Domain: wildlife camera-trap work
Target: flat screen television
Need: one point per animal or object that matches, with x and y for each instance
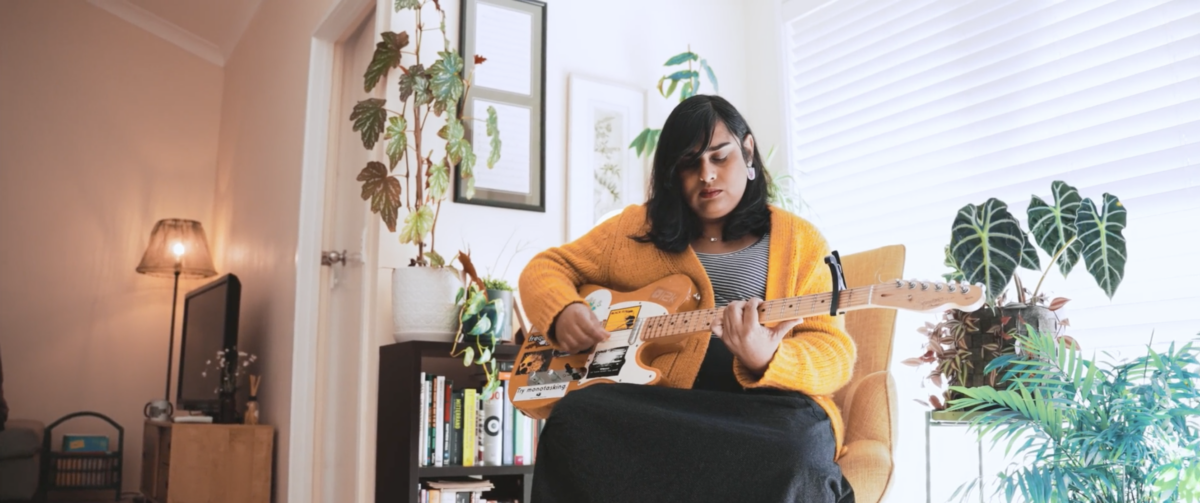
(210, 325)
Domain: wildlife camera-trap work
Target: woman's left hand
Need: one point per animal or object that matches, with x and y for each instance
(753, 344)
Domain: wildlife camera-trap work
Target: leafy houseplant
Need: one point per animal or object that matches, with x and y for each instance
(438, 89)
(422, 296)
(482, 317)
(987, 245)
(1125, 432)
(780, 187)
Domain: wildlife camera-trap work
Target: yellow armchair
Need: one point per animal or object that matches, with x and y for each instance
(868, 401)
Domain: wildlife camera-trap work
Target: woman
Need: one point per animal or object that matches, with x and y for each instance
(743, 417)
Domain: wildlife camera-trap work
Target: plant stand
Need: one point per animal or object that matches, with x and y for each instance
(947, 418)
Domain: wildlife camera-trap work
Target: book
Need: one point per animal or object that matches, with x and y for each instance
(507, 430)
(439, 417)
(423, 460)
(447, 428)
(456, 429)
(519, 433)
(493, 411)
(430, 430)
(469, 408)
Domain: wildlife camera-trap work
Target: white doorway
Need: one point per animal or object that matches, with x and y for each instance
(331, 442)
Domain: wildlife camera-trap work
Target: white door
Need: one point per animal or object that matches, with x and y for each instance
(345, 348)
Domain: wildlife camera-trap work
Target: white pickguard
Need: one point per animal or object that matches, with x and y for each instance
(614, 359)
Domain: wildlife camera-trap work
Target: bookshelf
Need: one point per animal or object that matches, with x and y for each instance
(397, 470)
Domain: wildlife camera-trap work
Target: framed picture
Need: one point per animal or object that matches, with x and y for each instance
(604, 174)
(511, 35)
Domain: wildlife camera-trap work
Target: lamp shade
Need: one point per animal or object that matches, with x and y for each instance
(177, 245)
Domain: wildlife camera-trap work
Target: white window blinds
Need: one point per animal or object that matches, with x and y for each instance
(901, 112)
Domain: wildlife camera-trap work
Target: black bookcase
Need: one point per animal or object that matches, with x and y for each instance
(397, 472)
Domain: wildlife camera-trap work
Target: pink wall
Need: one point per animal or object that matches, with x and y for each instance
(104, 129)
(258, 193)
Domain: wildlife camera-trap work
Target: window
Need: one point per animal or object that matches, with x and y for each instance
(901, 112)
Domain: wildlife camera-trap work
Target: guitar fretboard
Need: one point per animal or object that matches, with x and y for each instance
(771, 311)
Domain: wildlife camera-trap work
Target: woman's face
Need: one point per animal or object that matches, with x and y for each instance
(714, 185)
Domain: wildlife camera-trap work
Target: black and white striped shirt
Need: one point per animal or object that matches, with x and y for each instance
(738, 275)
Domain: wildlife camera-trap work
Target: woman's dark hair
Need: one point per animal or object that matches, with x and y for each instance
(684, 139)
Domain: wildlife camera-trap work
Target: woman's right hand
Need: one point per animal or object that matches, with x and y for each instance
(577, 329)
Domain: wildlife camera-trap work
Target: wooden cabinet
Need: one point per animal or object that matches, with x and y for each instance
(206, 463)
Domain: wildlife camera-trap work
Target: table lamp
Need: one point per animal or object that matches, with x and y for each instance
(177, 248)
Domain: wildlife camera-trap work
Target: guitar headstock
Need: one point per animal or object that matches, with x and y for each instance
(927, 296)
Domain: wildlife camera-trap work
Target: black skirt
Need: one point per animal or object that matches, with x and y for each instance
(631, 443)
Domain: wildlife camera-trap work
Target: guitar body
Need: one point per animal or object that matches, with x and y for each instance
(543, 375)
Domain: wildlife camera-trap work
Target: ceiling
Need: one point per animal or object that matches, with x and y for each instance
(219, 23)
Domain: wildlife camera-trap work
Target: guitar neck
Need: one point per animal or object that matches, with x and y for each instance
(769, 312)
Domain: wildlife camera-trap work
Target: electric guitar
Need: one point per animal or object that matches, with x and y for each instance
(656, 319)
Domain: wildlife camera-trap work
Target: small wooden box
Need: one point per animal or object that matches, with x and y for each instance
(206, 463)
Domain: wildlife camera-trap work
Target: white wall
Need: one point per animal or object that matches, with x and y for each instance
(623, 42)
(258, 194)
(104, 129)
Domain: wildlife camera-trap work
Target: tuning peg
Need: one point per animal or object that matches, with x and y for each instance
(924, 285)
(952, 287)
(899, 284)
(937, 287)
(966, 289)
(912, 284)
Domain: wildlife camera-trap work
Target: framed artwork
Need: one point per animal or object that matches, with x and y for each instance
(604, 174)
(511, 35)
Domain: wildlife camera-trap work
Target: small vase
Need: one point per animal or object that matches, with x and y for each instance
(227, 408)
(251, 416)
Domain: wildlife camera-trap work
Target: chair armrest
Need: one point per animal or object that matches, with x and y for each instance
(21, 439)
(868, 465)
(872, 413)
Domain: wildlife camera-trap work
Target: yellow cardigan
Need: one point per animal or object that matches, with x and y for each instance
(816, 359)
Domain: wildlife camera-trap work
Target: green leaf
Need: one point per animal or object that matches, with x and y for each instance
(671, 89)
(955, 273)
(382, 190)
(446, 82)
(639, 142)
(468, 356)
(485, 355)
(652, 142)
(439, 180)
(407, 4)
(712, 76)
(368, 117)
(681, 58)
(687, 91)
(417, 225)
(466, 170)
(986, 242)
(397, 140)
(1029, 256)
(415, 83)
(387, 56)
(436, 260)
(1103, 244)
(493, 132)
(481, 327)
(684, 75)
(1054, 226)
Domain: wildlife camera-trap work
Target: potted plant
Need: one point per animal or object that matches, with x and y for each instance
(423, 293)
(987, 245)
(781, 187)
(1103, 432)
(483, 316)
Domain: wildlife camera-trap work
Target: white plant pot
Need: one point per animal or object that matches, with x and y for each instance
(423, 306)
